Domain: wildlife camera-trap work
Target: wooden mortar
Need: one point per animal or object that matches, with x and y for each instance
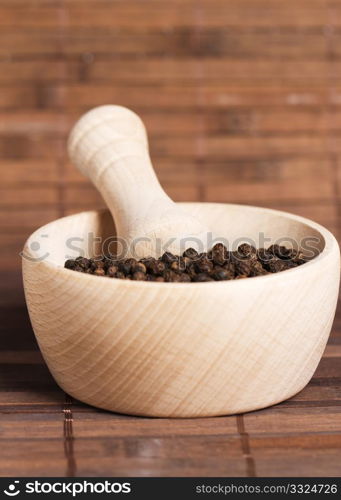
(181, 349)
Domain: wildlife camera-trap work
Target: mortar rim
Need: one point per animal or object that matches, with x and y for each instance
(329, 240)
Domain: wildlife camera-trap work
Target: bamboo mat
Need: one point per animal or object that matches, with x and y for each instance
(45, 432)
(242, 102)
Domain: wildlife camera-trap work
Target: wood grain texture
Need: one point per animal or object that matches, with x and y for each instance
(179, 350)
(241, 99)
(109, 145)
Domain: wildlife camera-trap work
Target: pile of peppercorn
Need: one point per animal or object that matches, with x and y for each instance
(218, 264)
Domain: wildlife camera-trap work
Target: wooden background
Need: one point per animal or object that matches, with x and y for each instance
(242, 100)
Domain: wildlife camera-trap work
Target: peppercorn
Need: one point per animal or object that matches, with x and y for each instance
(178, 265)
(184, 278)
(187, 262)
(83, 262)
(125, 266)
(96, 264)
(191, 271)
(219, 254)
(218, 264)
(277, 265)
(112, 271)
(298, 257)
(171, 276)
(281, 252)
(248, 251)
(230, 268)
(258, 269)
(244, 267)
(190, 253)
(69, 264)
(264, 256)
(138, 276)
(139, 267)
(219, 274)
(201, 277)
(155, 267)
(168, 258)
(203, 265)
(150, 277)
(160, 279)
(99, 271)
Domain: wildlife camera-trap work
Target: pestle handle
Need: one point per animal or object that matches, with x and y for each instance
(109, 145)
(104, 136)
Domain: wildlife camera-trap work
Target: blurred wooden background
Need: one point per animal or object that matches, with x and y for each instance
(242, 101)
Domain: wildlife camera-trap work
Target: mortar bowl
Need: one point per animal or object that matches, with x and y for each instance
(181, 349)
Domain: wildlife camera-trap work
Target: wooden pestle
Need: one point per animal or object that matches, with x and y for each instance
(109, 145)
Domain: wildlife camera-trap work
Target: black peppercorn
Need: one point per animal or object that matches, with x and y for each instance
(203, 265)
(168, 258)
(83, 262)
(258, 269)
(215, 265)
(202, 277)
(138, 276)
(247, 251)
(99, 271)
(277, 265)
(139, 267)
(171, 276)
(178, 265)
(220, 274)
(298, 257)
(125, 266)
(112, 271)
(155, 267)
(219, 254)
(190, 253)
(281, 252)
(69, 264)
(184, 278)
(243, 267)
(97, 264)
